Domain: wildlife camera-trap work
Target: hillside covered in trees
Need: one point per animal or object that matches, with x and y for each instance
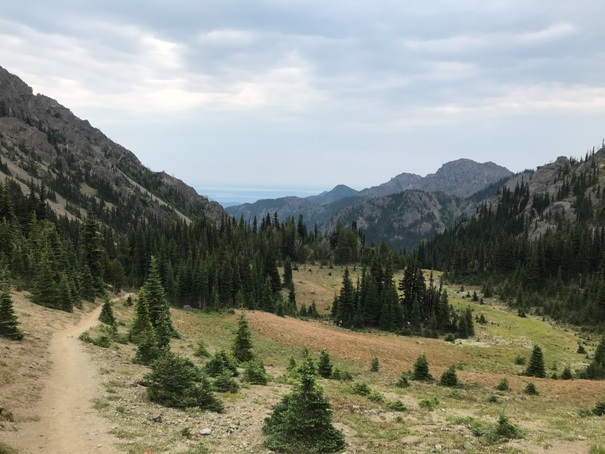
(540, 242)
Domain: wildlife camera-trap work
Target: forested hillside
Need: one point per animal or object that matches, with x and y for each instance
(540, 242)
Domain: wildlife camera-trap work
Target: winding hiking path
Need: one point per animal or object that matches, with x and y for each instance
(67, 422)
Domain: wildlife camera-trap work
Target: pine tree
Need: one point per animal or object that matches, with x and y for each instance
(449, 378)
(242, 345)
(255, 373)
(106, 316)
(159, 310)
(324, 368)
(345, 309)
(421, 369)
(9, 323)
(535, 368)
(92, 252)
(143, 334)
(177, 382)
(288, 283)
(302, 421)
(375, 366)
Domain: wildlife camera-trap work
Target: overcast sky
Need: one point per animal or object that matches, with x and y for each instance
(304, 94)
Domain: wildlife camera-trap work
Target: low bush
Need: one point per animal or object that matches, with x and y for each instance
(255, 373)
(449, 378)
(429, 403)
(225, 383)
(396, 405)
(361, 388)
(531, 389)
(503, 385)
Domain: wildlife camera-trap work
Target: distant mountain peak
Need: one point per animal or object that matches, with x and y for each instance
(339, 192)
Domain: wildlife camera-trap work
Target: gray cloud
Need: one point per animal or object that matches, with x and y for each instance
(309, 94)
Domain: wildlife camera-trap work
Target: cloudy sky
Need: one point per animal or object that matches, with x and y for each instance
(254, 98)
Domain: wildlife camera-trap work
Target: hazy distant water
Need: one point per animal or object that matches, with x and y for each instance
(236, 196)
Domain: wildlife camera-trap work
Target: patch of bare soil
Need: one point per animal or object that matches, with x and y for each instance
(49, 383)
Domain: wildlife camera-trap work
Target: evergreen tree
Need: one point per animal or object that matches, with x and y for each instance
(324, 368)
(142, 333)
(159, 310)
(288, 283)
(421, 369)
(147, 346)
(92, 252)
(302, 421)
(9, 323)
(106, 316)
(141, 318)
(535, 368)
(345, 307)
(221, 362)
(255, 373)
(449, 378)
(242, 345)
(375, 366)
(177, 382)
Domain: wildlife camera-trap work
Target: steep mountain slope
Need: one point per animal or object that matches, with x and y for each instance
(404, 219)
(541, 239)
(43, 144)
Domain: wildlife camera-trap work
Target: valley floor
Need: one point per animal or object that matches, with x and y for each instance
(437, 419)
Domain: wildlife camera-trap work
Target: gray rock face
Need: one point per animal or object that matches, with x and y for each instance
(62, 146)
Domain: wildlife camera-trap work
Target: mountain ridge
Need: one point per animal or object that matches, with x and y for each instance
(451, 184)
(43, 141)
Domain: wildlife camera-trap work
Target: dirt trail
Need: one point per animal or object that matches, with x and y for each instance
(67, 421)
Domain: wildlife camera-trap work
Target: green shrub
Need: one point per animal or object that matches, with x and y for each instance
(219, 363)
(403, 381)
(492, 399)
(520, 360)
(531, 389)
(504, 429)
(503, 385)
(302, 421)
(201, 351)
(449, 378)
(421, 369)
(104, 339)
(176, 382)
(375, 365)
(429, 403)
(599, 409)
(6, 449)
(361, 388)
(225, 383)
(396, 405)
(342, 375)
(566, 374)
(324, 368)
(255, 373)
(376, 396)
